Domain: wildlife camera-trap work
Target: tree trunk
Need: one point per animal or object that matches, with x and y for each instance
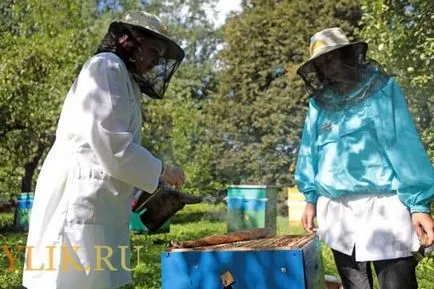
(29, 168)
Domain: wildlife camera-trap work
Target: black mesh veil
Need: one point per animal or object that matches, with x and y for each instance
(153, 83)
(315, 80)
(363, 76)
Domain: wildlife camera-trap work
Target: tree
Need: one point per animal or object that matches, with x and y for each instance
(42, 47)
(400, 34)
(174, 128)
(255, 119)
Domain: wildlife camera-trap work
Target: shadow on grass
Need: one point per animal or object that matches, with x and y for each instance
(215, 216)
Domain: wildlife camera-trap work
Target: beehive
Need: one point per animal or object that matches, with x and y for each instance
(284, 262)
(296, 205)
(251, 206)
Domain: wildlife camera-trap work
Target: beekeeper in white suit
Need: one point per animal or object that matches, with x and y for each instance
(84, 190)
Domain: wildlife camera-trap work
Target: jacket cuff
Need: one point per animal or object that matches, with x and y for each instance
(311, 196)
(420, 209)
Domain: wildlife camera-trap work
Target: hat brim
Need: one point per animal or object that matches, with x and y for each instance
(309, 64)
(174, 51)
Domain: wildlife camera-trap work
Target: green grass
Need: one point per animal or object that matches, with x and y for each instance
(193, 222)
(10, 279)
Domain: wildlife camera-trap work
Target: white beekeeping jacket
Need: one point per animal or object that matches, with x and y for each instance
(84, 190)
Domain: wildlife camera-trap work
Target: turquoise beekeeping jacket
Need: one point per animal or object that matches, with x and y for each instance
(371, 147)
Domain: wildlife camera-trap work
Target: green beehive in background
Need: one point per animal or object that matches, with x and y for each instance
(23, 211)
(252, 207)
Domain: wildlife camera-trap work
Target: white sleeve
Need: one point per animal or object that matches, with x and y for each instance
(107, 115)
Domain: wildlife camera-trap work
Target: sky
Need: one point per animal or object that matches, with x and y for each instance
(223, 8)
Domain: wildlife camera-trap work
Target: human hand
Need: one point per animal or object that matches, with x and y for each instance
(424, 225)
(309, 215)
(173, 176)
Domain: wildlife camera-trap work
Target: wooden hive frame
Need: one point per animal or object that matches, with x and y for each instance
(271, 243)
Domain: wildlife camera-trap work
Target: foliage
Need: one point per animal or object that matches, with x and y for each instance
(52, 39)
(400, 34)
(174, 128)
(255, 119)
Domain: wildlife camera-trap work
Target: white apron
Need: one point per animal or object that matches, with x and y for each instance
(85, 187)
(379, 227)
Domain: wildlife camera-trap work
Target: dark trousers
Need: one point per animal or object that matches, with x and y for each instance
(392, 274)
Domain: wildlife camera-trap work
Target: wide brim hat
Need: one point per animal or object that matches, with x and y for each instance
(151, 24)
(326, 41)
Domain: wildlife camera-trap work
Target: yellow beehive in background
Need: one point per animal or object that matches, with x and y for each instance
(296, 205)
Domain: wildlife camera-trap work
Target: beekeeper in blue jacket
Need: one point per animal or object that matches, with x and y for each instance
(85, 188)
(361, 166)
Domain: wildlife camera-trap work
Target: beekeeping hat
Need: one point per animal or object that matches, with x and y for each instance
(328, 40)
(154, 82)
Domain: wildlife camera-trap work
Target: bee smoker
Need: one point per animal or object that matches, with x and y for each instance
(157, 208)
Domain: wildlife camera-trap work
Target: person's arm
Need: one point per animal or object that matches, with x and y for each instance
(304, 171)
(106, 113)
(410, 162)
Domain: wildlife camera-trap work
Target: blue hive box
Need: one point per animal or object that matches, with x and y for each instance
(250, 266)
(23, 210)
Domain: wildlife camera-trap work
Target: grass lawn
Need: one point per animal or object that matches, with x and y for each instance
(193, 222)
